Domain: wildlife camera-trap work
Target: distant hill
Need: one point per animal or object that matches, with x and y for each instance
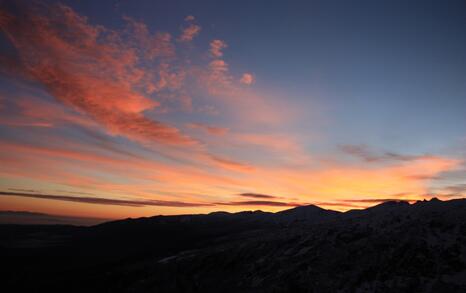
(391, 247)
(30, 218)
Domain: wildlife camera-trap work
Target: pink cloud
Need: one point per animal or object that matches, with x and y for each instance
(282, 147)
(189, 33)
(218, 77)
(233, 165)
(152, 46)
(23, 123)
(35, 112)
(247, 79)
(91, 69)
(216, 47)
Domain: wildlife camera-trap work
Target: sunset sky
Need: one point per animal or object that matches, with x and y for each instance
(135, 108)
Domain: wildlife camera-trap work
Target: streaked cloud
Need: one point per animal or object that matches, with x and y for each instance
(233, 165)
(35, 112)
(104, 201)
(457, 188)
(364, 153)
(257, 195)
(214, 130)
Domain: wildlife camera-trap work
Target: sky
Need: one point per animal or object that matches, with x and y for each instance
(136, 108)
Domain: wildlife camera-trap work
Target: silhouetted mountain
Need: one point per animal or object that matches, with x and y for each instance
(391, 247)
(310, 214)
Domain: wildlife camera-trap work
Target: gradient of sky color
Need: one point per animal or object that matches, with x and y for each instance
(135, 108)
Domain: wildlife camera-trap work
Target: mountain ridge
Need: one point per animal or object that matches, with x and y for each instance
(391, 247)
(298, 211)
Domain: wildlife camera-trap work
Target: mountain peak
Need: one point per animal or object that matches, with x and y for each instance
(310, 213)
(308, 208)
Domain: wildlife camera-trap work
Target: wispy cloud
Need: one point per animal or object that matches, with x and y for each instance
(366, 154)
(35, 112)
(457, 188)
(214, 130)
(452, 190)
(424, 177)
(230, 164)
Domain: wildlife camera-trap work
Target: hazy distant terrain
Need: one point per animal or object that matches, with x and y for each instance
(392, 247)
(25, 218)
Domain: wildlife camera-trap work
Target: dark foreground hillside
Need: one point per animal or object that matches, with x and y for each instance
(392, 247)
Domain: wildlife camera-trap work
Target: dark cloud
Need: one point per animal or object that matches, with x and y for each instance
(257, 195)
(359, 151)
(458, 188)
(364, 153)
(399, 157)
(455, 190)
(105, 201)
